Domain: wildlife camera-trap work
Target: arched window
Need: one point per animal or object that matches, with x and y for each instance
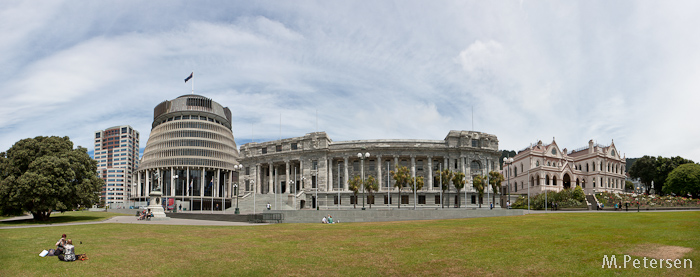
(586, 167)
(475, 167)
(515, 171)
(546, 180)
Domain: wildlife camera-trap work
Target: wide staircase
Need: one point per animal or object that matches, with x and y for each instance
(245, 203)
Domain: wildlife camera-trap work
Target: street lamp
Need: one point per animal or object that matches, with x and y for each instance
(235, 188)
(362, 158)
(235, 191)
(509, 162)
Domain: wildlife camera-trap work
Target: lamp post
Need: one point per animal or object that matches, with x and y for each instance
(362, 159)
(255, 190)
(508, 161)
(293, 185)
(235, 189)
(176, 181)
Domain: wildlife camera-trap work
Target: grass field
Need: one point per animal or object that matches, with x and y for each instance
(538, 244)
(66, 217)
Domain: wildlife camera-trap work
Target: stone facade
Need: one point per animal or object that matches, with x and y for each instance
(314, 165)
(545, 167)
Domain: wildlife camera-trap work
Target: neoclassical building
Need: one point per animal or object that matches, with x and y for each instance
(190, 155)
(314, 165)
(546, 167)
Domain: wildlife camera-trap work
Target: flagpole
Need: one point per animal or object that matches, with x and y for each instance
(192, 82)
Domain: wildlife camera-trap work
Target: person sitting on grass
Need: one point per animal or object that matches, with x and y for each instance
(69, 254)
(60, 245)
(324, 220)
(330, 219)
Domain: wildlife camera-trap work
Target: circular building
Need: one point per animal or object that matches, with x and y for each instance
(190, 155)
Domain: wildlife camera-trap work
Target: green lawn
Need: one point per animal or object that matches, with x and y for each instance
(541, 244)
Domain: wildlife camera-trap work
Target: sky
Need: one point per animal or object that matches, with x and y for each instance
(622, 71)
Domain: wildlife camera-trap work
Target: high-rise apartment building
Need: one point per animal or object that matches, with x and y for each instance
(117, 156)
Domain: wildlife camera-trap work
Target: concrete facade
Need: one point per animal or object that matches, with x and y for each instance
(545, 167)
(190, 155)
(117, 156)
(303, 168)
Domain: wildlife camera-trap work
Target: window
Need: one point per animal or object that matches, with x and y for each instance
(404, 199)
(315, 165)
(421, 199)
(437, 199)
(370, 199)
(294, 146)
(473, 199)
(352, 200)
(264, 150)
(313, 181)
(554, 151)
(371, 165)
(124, 130)
(278, 148)
(475, 143)
(387, 200)
(356, 165)
(335, 200)
(537, 163)
(247, 170)
(419, 165)
(97, 135)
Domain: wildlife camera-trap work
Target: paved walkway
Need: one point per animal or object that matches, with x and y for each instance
(132, 220)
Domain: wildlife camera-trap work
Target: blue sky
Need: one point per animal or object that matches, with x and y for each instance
(626, 71)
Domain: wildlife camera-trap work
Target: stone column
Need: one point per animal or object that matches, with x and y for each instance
(301, 173)
(396, 167)
(413, 166)
(257, 179)
(172, 181)
(138, 188)
(329, 167)
(270, 185)
(187, 185)
(215, 187)
(202, 183)
(286, 176)
(345, 180)
(430, 173)
(378, 164)
(148, 184)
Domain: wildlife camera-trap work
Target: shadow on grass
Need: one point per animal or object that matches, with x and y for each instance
(55, 220)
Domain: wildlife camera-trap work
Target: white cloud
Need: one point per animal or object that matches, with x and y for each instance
(574, 71)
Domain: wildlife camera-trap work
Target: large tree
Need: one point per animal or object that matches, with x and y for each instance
(402, 177)
(371, 186)
(684, 180)
(458, 181)
(43, 174)
(664, 166)
(644, 169)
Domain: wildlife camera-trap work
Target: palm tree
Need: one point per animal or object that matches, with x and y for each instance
(402, 177)
(416, 184)
(446, 176)
(371, 186)
(479, 185)
(458, 181)
(354, 186)
(495, 179)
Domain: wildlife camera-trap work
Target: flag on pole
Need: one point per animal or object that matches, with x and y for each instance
(189, 77)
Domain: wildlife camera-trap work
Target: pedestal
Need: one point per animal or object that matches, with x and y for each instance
(156, 205)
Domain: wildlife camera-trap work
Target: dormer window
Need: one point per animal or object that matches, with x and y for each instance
(554, 151)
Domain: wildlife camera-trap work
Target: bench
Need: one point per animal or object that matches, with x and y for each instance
(265, 217)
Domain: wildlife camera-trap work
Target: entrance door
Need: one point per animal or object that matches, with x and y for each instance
(567, 181)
